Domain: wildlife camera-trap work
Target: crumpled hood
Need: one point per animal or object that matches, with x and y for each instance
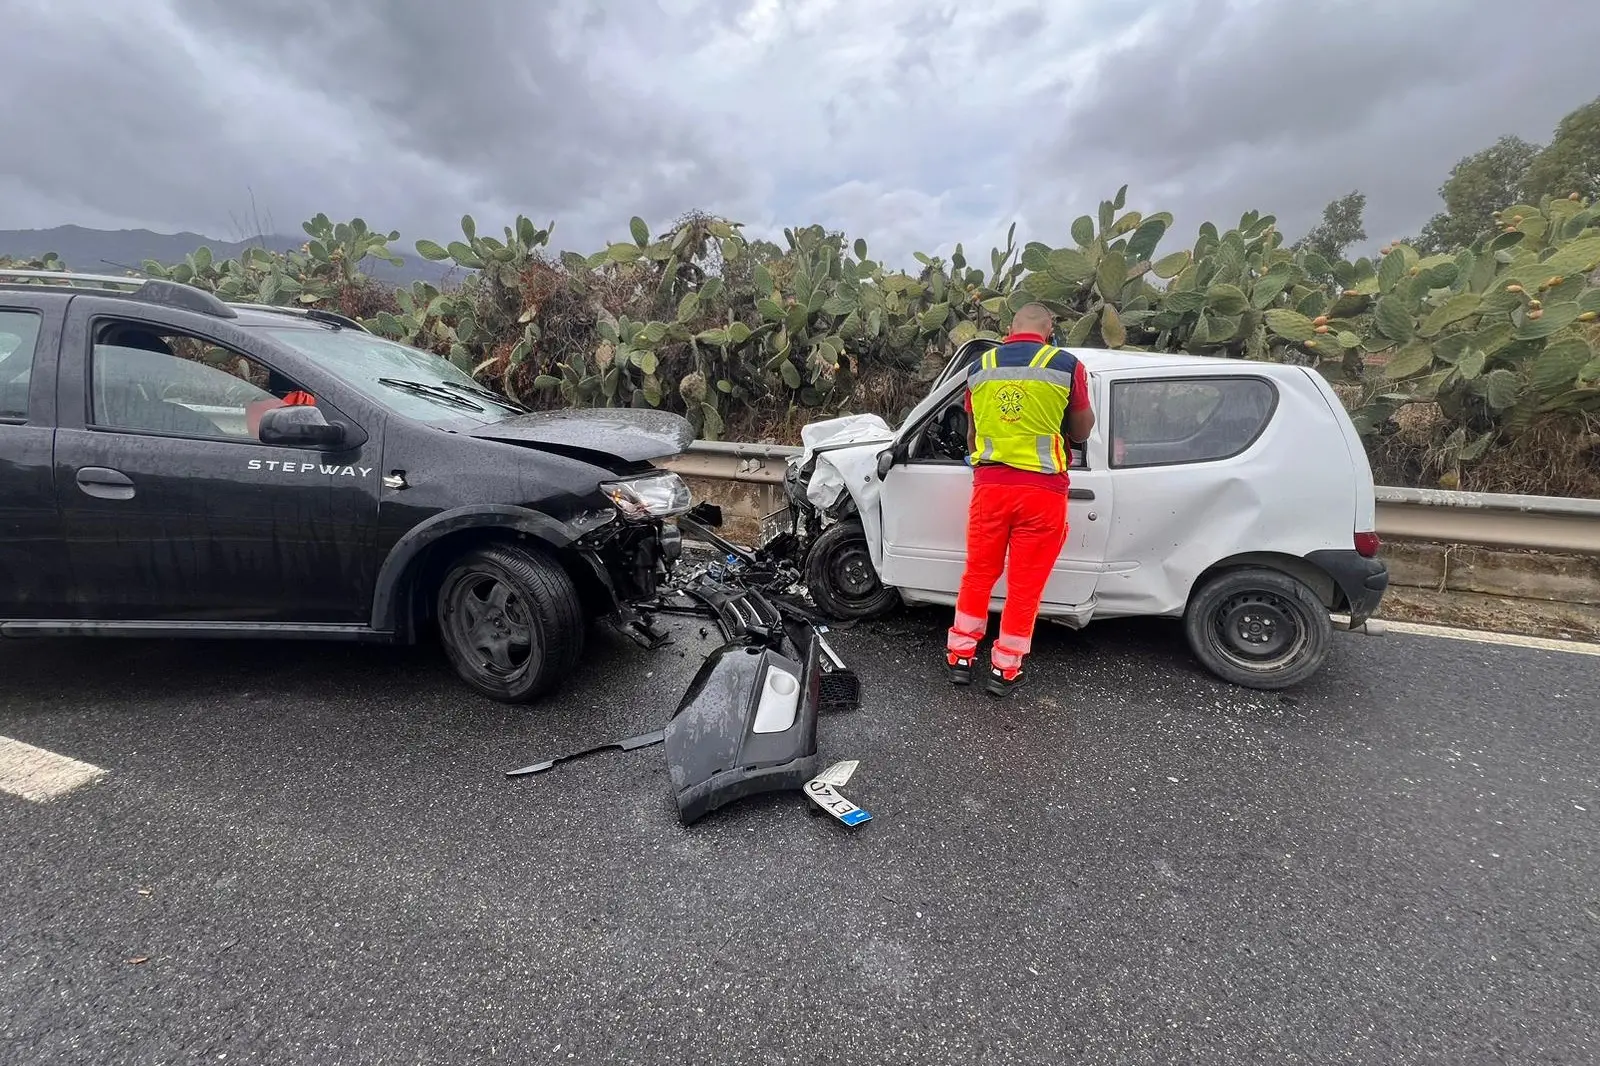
(628, 433)
(845, 452)
(835, 432)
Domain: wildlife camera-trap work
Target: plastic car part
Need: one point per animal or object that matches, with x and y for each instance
(746, 725)
(743, 614)
(644, 740)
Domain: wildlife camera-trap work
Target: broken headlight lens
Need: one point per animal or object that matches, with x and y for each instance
(659, 495)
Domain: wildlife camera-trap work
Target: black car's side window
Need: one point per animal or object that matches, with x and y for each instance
(146, 379)
(19, 336)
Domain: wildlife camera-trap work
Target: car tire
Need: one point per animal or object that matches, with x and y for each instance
(1258, 628)
(511, 622)
(841, 578)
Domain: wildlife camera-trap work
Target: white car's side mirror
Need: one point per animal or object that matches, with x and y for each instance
(885, 461)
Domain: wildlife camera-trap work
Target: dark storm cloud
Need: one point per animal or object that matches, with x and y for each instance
(913, 123)
(405, 112)
(486, 89)
(1223, 107)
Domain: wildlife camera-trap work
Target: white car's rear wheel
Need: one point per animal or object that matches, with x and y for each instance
(841, 578)
(1258, 628)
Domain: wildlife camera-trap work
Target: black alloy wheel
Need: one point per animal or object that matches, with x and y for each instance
(511, 622)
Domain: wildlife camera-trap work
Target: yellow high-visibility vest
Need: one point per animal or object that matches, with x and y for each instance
(1017, 411)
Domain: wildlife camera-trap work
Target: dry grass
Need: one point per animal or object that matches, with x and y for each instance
(1559, 456)
(365, 299)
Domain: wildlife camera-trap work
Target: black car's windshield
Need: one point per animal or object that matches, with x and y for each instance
(407, 380)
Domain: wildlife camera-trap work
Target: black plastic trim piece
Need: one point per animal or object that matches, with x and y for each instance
(1362, 580)
(245, 630)
(644, 740)
(385, 599)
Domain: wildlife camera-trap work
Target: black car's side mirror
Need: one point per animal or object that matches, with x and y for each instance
(299, 427)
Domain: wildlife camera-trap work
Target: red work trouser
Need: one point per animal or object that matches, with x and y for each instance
(1031, 524)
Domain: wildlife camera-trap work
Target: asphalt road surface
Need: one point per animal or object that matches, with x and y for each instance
(309, 854)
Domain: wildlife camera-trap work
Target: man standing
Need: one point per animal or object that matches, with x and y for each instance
(1024, 398)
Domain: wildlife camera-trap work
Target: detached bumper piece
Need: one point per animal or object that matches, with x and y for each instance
(748, 724)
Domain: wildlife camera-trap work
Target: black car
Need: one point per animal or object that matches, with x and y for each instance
(172, 465)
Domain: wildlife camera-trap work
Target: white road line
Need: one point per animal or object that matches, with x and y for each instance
(1480, 636)
(40, 775)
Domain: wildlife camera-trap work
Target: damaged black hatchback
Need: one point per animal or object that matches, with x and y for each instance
(173, 465)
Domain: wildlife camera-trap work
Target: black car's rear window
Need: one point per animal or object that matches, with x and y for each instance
(19, 337)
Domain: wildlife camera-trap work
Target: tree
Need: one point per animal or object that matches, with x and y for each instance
(1571, 164)
(1478, 186)
(1340, 227)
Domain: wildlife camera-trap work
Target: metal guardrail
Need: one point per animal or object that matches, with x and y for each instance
(1485, 519)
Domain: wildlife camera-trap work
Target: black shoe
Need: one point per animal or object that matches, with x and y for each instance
(960, 671)
(999, 686)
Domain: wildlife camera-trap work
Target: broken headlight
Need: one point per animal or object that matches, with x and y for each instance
(658, 495)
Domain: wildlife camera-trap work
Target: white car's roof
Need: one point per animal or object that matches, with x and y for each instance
(1107, 359)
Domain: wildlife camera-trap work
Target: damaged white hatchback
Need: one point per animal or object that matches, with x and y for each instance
(1235, 495)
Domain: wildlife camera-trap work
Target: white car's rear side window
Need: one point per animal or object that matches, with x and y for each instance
(1187, 420)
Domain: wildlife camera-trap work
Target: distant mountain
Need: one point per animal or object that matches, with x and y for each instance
(104, 251)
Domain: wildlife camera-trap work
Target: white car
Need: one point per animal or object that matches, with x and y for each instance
(1233, 494)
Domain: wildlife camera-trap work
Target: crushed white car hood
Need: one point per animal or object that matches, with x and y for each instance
(847, 462)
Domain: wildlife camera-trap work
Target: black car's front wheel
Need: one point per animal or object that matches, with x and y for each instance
(511, 622)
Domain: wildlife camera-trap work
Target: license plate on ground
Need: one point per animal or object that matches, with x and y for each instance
(826, 796)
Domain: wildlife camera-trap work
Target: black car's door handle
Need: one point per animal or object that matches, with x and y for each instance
(104, 483)
(1080, 494)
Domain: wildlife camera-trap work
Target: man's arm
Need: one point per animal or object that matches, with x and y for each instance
(1079, 419)
(972, 426)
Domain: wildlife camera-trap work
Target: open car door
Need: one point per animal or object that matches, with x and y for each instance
(927, 491)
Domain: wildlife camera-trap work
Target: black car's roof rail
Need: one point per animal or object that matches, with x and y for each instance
(148, 290)
(316, 314)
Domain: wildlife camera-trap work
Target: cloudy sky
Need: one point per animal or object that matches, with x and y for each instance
(913, 123)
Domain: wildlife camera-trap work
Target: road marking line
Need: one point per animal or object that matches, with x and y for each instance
(38, 774)
(1482, 636)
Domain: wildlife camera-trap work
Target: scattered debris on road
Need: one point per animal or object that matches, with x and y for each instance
(748, 722)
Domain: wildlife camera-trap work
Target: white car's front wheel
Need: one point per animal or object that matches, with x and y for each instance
(1258, 628)
(841, 578)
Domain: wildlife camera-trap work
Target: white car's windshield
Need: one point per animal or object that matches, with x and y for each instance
(407, 380)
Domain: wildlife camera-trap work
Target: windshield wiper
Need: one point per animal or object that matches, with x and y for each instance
(431, 392)
(487, 394)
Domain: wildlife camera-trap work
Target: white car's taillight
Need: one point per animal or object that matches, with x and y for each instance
(1367, 545)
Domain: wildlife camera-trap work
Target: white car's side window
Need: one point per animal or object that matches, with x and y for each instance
(1164, 422)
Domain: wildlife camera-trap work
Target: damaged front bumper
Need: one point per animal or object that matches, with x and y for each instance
(747, 723)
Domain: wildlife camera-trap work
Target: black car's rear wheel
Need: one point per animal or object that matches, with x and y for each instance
(511, 622)
(1258, 628)
(840, 575)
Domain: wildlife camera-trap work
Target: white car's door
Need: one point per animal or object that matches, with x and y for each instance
(1211, 462)
(924, 506)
